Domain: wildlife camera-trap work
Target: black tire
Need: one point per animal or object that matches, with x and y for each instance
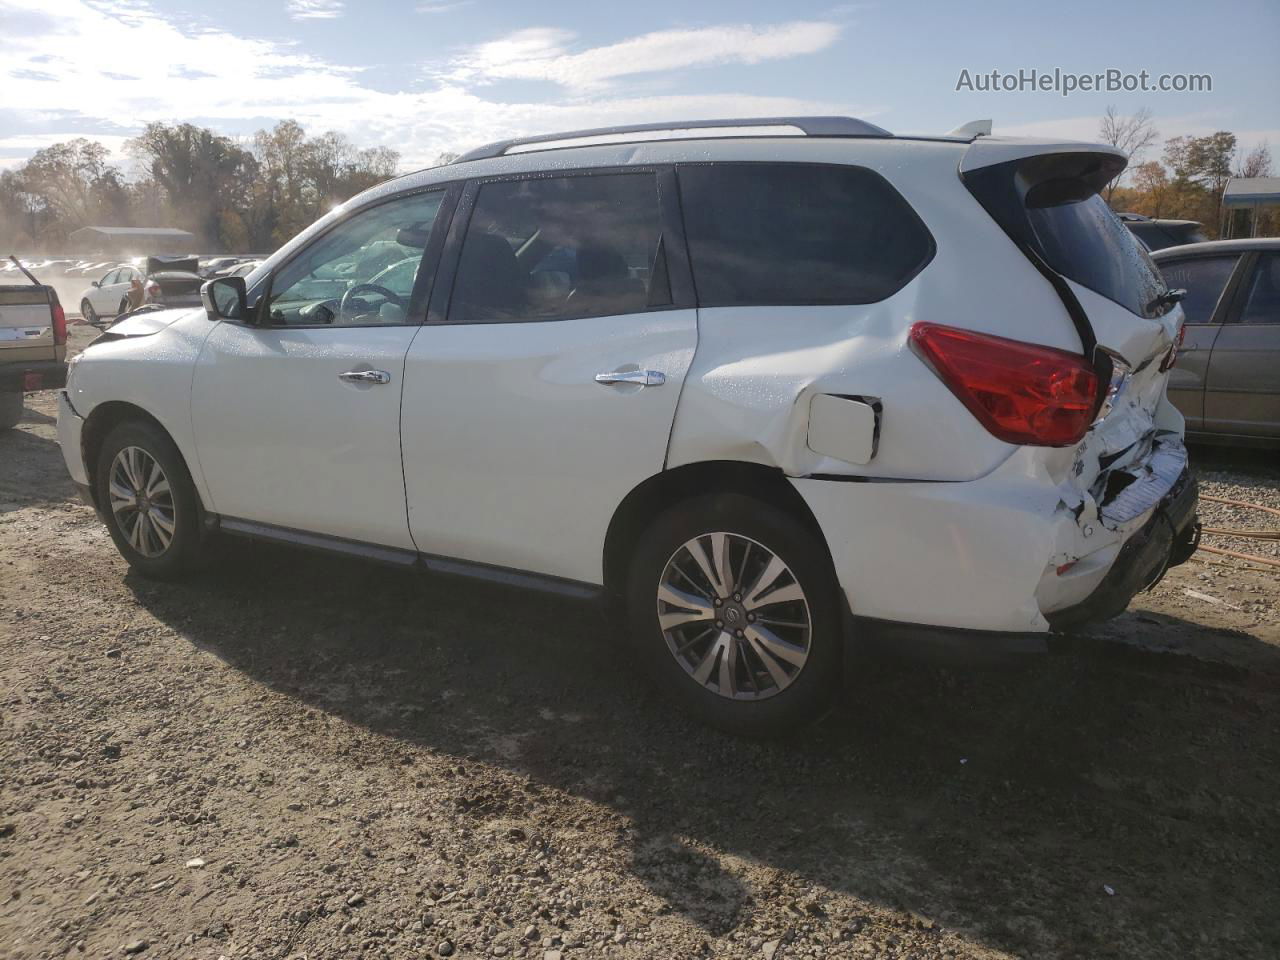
(87, 312)
(810, 693)
(185, 551)
(124, 307)
(10, 410)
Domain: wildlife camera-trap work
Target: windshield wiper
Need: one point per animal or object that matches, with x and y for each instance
(1166, 299)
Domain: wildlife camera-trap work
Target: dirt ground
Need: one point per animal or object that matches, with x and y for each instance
(303, 756)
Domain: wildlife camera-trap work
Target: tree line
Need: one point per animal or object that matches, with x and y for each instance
(1187, 181)
(242, 195)
(233, 195)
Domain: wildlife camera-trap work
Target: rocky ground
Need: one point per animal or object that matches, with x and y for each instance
(303, 756)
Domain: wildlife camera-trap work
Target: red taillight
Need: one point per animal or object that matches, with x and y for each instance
(1021, 392)
(1171, 358)
(59, 325)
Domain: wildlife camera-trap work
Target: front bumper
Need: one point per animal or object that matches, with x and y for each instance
(70, 427)
(32, 375)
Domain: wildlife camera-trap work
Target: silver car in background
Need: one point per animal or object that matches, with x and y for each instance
(1227, 378)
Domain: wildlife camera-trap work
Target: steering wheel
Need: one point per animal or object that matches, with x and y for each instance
(390, 295)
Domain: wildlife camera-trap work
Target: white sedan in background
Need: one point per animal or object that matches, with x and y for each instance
(109, 296)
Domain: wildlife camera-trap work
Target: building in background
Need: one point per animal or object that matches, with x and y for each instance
(130, 240)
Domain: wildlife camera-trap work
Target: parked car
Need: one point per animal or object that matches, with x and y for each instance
(824, 399)
(1161, 234)
(170, 281)
(216, 266)
(241, 269)
(1227, 382)
(33, 343)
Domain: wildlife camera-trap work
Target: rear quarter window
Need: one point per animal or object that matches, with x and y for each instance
(793, 233)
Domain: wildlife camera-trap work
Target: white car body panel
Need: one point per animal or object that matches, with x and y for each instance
(283, 441)
(514, 455)
(105, 299)
(152, 373)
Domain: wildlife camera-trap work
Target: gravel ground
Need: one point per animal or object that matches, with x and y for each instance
(296, 756)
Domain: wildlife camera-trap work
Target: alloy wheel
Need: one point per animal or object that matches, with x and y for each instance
(142, 501)
(734, 616)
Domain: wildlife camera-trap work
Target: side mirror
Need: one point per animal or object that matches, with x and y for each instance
(224, 298)
(96, 283)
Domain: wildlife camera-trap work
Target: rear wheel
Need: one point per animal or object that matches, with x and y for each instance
(87, 312)
(735, 611)
(124, 306)
(150, 505)
(10, 410)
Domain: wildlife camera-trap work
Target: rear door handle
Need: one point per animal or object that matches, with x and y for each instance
(643, 378)
(365, 376)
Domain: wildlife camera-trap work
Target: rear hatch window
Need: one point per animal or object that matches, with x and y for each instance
(1085, 241)
(1049, 205)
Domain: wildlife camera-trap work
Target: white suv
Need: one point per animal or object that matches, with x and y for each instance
(782, 387)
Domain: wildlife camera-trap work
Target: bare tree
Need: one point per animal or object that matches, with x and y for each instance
(1257, 162)
(1132, 135)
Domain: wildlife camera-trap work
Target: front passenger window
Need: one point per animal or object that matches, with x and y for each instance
(361, 272)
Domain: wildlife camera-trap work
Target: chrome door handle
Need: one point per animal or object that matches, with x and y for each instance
(365, 376)
(643, 378)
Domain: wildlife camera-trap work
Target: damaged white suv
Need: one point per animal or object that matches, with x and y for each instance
(781, 387)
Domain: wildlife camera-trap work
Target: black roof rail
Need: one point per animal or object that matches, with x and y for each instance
(809, 126)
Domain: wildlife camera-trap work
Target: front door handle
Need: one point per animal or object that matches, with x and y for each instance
(365, 376)
(643, 378)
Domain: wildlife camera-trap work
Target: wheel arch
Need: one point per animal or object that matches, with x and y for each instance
(665, 489)
(100, 422)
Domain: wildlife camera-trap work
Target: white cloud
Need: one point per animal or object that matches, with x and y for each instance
(543, 53)
(234, 83)
(314, 9)
(441, 6)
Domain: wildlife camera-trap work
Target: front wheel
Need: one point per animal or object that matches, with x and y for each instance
(146, 496)
(735, 611)
(87, 312)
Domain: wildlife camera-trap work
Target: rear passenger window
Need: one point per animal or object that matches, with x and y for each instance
(1204, 279)
(562, 248)
(762, 233)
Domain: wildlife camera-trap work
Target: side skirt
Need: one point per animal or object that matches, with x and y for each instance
(400, 557)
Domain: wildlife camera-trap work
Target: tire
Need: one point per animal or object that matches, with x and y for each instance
(146, 549)
(768, 699)
(86, 311)
(124, 307)
(10, 410)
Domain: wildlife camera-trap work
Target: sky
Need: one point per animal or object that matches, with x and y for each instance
(427, 76)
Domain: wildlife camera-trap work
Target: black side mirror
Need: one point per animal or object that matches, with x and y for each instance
(224, 298)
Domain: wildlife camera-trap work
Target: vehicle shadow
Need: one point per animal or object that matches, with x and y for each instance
(994, 802)
(31, 470)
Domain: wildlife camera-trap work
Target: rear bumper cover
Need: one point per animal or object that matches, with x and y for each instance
(1167, 539)
(32, 375)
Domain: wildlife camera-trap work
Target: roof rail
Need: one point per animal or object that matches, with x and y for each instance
(808, 126)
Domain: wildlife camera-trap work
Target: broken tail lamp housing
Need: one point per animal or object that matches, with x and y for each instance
(1022, 393)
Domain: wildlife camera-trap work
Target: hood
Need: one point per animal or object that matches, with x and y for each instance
(143, 323)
